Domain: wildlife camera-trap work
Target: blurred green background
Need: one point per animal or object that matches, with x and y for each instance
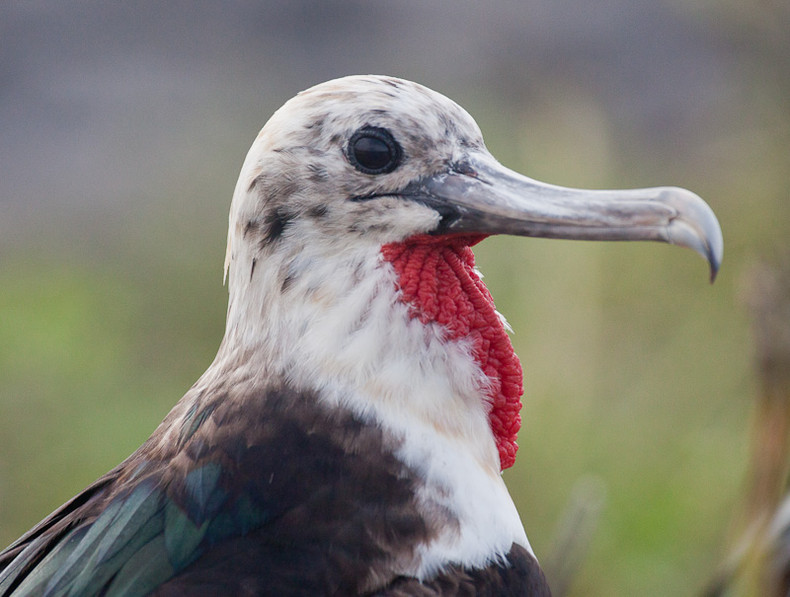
(123, 127)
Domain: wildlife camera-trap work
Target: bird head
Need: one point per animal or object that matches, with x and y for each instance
(374, 160)
(376, 173)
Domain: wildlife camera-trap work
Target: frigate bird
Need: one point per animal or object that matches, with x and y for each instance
(349, 437)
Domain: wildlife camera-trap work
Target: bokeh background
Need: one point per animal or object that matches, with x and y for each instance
(122, 129)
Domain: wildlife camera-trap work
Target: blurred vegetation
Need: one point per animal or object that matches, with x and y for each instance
(638, 374)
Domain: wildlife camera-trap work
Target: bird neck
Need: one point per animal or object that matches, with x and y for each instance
(405, 333)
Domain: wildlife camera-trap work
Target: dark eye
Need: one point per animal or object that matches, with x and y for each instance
(373, 150)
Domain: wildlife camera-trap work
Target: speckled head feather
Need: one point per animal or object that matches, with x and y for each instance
(297, 173)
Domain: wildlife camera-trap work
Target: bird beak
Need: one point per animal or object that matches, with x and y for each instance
(480, 196)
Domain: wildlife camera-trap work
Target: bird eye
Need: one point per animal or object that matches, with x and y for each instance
(373, 150)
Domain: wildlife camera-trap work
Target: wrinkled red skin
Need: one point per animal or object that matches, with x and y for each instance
(437, 280)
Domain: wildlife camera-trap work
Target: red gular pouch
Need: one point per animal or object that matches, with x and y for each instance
(437, 279)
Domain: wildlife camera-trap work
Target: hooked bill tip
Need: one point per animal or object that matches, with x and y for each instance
(695, 226)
